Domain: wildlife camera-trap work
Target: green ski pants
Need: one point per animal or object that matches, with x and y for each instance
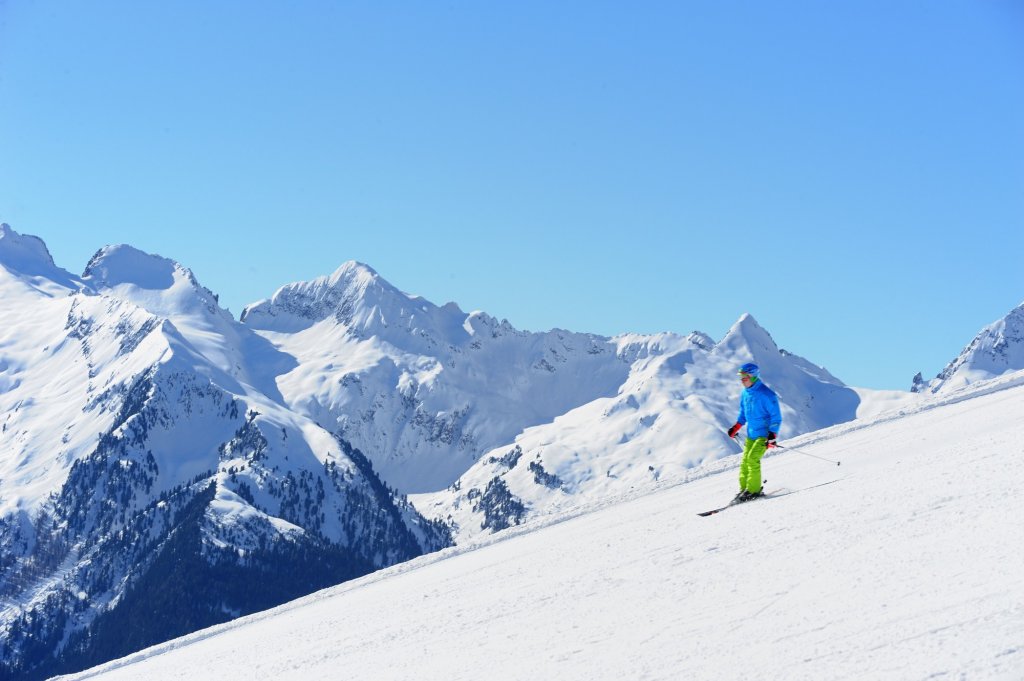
(750, 468)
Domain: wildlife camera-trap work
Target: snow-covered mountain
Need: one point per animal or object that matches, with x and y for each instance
(144, 443)
(669, 415)
(894, 565)
(422, 390)
(25, 262)
(996, 350)
(156, 454)
(447, 404)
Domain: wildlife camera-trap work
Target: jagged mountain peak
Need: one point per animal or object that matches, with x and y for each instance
(160, 285)
(360, 281)
(997, 349)
(27, 256)
(22, 249)
(701, 340)
(746, 336)
(358, 298)
(355, 271)
(123, 264)
(748, 341)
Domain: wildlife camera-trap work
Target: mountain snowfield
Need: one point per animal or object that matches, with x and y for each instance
(157, 455)
(899, 564)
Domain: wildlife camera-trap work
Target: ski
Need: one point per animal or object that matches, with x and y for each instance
(766, 495)
(713, 511)
(774, 494)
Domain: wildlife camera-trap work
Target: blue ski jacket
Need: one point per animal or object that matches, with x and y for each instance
(759, 410)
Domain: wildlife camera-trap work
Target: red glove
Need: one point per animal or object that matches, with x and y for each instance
(771, 439)
(735, 429)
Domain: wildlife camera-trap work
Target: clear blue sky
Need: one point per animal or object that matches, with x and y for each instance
(852, 174)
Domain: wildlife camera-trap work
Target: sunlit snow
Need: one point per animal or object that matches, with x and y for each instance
(898, 564)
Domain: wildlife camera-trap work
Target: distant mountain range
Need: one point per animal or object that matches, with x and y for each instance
(158, 456)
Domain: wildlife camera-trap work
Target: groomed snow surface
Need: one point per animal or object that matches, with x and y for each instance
(902, 563)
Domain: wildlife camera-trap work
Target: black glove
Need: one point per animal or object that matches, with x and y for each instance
(771, 439)
(735, 429)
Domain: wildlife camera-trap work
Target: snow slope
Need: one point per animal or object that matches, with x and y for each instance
(902, 563)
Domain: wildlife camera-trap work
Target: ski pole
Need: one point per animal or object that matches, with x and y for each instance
(794, 449)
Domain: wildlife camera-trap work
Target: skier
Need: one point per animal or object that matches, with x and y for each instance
(759, 411)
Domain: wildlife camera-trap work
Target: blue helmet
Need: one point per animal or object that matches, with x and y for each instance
(750, 369)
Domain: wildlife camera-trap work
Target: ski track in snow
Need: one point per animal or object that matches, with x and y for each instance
(906, 568)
